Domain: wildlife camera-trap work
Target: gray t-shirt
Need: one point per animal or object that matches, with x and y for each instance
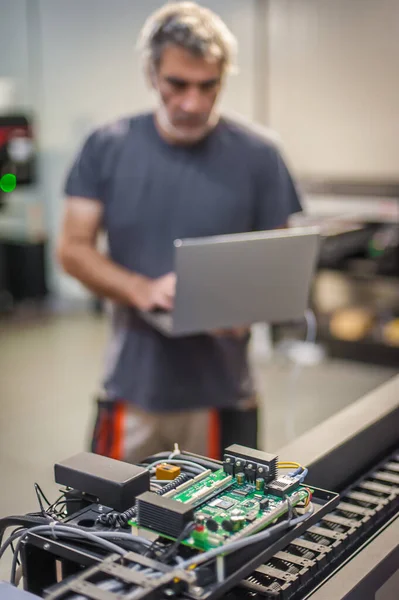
(233, 181)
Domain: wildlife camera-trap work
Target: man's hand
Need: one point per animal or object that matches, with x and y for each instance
(234, 332)
(149, 294)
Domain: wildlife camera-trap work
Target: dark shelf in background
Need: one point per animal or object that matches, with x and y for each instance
(367, 351)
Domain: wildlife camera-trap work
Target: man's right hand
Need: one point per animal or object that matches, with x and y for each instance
(150, 294)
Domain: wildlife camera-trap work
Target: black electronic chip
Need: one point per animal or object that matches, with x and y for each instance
(240, 493)
(252, 515)
(222, 503)
(264, 503)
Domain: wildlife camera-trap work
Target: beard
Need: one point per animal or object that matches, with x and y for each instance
(186, 129)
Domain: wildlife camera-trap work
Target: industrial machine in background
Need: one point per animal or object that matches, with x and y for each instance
(22, 239)
(356, 288)
(252, 526)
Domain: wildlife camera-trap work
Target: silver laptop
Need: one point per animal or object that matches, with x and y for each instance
(240, 279)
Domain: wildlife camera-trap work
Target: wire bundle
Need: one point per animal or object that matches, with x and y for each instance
(191, 468)
(48, 522)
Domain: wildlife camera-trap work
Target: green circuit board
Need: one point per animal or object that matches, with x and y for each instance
(225, 509)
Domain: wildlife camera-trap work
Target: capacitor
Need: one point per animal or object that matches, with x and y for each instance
(212, 525)
(240, 478)
(200, 521)
(238, 522)
(227, 525)
(260, 484)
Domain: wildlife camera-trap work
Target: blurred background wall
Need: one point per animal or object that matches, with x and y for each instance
(333, 85)
(321, 73)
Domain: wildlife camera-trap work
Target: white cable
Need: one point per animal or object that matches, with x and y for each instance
(175, 452)
(311, 324)
(307, 348)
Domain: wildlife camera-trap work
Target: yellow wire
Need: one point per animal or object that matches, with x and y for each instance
(288, 465)
(309, 493)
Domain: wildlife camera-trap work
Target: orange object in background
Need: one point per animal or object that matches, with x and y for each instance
(167, 472)
(214, 435)
(352, 324)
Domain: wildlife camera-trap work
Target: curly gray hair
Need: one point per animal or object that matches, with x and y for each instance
(190, 26)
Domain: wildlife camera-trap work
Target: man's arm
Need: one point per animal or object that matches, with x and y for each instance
(277, 197)
(78, 255)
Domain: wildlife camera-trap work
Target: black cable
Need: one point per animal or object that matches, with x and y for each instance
(13, 551)
(182, 478)
(59, 499)
(15, 563)
(171, 551)
(25, 521)
(152, 550)
(52, 510)
(12, 544)
(38, 490)
(9, 541)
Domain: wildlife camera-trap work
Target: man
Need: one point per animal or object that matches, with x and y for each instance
(183, 171)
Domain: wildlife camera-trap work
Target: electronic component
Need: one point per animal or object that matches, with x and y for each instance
(212, 525)
(112, 482)
(264, 503)
(252, 516)
(227, 525)
(238, 521)
(260, 484)
(223, 503)
(200, 518)
(221, 509)
(239, 466)
(215, 540)
(240, 478)
(163, 515)
(250, 472)
(247, 459)
(165, 471)
(242, 493)
(203, 487)
(283, 485)
(228, 465)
